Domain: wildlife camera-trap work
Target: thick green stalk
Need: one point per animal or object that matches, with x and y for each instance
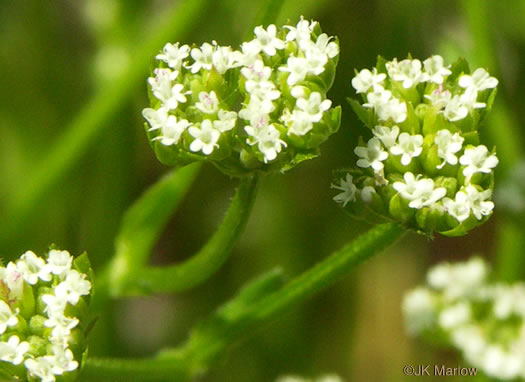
(209, 340)
(202, 265)
(90, 122)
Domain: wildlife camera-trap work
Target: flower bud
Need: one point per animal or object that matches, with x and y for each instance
(43, 312)
(261, 108)
(424, 159)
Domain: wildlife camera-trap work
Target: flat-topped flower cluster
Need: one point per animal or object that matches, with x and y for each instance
(42, 316)
(424, 166)
(262, 107)
(459, 307)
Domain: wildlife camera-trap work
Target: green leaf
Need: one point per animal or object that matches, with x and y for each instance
(365, 115)
(459, 67)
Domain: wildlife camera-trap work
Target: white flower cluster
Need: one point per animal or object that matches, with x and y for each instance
(485, 321)
(213, 102)
(420, 151)
(323, 378)
(35, 318)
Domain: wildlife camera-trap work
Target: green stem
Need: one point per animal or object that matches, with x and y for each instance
(209, 340)
(90, 122)
(140, 228)
(206, 262)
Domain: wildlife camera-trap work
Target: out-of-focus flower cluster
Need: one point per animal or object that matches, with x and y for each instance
(323, 378)
(262, 107)
(43, 316)
(424, 167)
(458, 306)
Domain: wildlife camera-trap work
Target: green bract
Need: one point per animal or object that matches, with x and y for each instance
(44, 316)
(424, 167)
(261, 108)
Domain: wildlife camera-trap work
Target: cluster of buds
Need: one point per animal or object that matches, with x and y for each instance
(260, 108)
(324, 378)
(486, 321)
(424, 166)
(43, 316)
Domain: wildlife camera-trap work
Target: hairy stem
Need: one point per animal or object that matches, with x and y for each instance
(206, 262)
(209, 340)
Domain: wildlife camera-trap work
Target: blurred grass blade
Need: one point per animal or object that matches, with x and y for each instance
(208, 260)
(90, 121)
(143, 223)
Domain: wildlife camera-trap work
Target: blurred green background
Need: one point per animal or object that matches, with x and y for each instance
(65, 65)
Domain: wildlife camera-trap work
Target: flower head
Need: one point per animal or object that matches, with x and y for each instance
(40, 332)
(420, 168)
(207, 102)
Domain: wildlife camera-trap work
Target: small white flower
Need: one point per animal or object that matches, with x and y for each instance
(156, 118)
(300, 123)
(13, 350)
(209, 104)
(33, 268)
(455, 110)
(458, 208)
(257, 71)
(409, 146)
(478, 201)
(477, 159)
(439, 98)
(173, 55)
(61, 325)
(226, 121)
(12, 277)
(203, 57)
(480, 80)
(314, 106)
(256, 108)
(327, 47)
(73, 287)
(448, 145)
(366, 80)
(55, 305)
(315, 60)
(7, 317)
(161, 86)
(469, 99)
(378, 99)
(298, 69)
(205, 138)
(172, 131)
(371, 156)
(267, 40)
(387, 135)
(407, 71)
(63, 361)
(59, 262)
(267, 138)
(223, 59)
(435, 70)
(301, 33)
(263, 90)
(40, 368)
(349, 190)
(420, 192)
